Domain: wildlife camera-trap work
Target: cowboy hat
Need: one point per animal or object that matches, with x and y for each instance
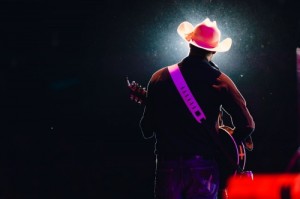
(205, 35)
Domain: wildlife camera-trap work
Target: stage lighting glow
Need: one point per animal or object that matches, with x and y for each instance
(171, 48)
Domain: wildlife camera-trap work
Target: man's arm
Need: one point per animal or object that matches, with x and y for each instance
(235, 105)
(147, 120)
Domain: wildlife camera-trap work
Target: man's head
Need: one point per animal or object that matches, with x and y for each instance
(200, 52)
(205, 35)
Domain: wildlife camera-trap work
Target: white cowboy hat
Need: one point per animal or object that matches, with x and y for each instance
(205, 35)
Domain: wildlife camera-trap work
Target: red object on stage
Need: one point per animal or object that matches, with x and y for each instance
(265, 186)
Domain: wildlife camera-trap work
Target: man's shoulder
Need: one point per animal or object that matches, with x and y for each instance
(226, 81)
(225, 78)
(162, 72)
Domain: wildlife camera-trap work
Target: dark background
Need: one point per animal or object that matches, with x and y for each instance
(68, 128)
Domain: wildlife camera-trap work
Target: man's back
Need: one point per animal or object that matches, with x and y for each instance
(176, 130)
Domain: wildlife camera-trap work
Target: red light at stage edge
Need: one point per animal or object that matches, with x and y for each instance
(265, 186)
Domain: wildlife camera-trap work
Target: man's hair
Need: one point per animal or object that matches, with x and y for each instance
(199, 51)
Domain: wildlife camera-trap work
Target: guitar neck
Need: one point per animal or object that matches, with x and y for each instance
(137, 92)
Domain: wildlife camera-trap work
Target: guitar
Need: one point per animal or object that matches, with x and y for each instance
(232, 157)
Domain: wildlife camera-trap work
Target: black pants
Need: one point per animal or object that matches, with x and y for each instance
(192, 178)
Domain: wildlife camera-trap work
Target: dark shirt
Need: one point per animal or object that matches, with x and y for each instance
(168, 119)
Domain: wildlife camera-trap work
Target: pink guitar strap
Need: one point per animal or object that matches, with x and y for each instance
(185, 93)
